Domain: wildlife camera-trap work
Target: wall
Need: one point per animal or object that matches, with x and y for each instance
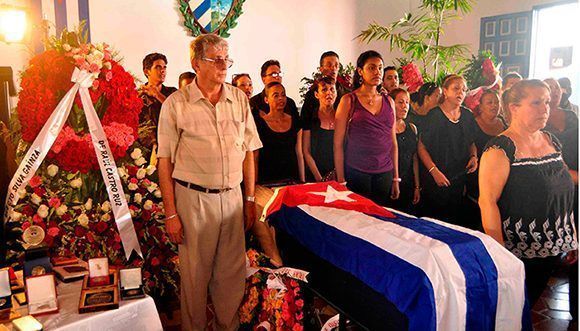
(294, 32)
(466, 30)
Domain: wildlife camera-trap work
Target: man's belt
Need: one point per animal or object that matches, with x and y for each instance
(201, 188)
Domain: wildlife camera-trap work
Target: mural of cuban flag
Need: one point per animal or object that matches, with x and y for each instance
(62, 14)
(442, 277)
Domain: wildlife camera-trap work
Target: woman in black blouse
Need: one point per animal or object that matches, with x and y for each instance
(281, 158)
(447, 150)
(428, 97)
(410, 190)
(526, 193)
(318, 131)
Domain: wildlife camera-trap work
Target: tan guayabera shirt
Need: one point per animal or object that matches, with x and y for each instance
(207, 144)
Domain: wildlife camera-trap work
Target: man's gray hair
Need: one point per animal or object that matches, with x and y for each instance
(199, 45)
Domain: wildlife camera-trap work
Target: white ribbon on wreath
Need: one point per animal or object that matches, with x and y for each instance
(46, 138)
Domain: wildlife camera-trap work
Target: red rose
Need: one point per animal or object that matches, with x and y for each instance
(35, 181)
(80, 231)
(101, 227)
(155, 261)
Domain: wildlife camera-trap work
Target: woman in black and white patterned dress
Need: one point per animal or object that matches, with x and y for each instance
(526, 193)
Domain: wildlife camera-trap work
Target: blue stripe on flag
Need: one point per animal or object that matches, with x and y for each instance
(409, 289)
(201, 9)
(475, 262)
(208, 26)
(60, 16)
(84, 16)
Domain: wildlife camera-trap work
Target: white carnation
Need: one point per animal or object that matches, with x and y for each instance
(151, 169)
(138, 198)
(141, 173)
(83, 220)
(35, 199)
(136, 154)
(152, 187)
(148, 205)
(21, 193)
(15, 216)
(52, 170)
(157, 193)
(140, 161)
(89, 204)
(132, 186)
(106, 206)
(42, 211)
(61, 210)
(76, 183)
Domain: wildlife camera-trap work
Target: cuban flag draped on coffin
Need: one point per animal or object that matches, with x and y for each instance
(442, 277)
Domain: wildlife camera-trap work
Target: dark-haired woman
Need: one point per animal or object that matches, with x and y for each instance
(318, 131)
(280, 159)
(448, 153)
(427, 98)
(526, 193)
(408, 161)
(244, 83)
(365, 141)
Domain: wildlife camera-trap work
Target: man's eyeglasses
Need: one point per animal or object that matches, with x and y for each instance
(227, 61)
(274, 74)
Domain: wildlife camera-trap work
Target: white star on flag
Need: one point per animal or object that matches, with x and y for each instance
(332, 195)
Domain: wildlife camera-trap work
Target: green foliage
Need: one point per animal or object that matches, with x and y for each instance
(418, 36)
(473, 71)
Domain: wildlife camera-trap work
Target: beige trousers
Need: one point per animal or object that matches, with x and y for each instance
(212, 256)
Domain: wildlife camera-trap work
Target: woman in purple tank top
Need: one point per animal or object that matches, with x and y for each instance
(365, 141)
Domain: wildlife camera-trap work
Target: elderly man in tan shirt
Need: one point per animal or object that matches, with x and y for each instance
(206, 138)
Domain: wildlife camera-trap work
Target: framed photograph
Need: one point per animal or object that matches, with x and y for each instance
(504, 48)
(99, 272)
(27, 323)
(41, 293)
(102, 281)
(99, 267)
(37, 267)
(131, 283)
(490, 29)
(505, 27)
(72, 272)
(104, 298)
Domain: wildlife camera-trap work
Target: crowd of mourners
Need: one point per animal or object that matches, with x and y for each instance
(509, 167)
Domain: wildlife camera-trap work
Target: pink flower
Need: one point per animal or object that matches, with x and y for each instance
(53, 231)
(412, 77)
(299, 303)
(54, 202)
(297, 327)
(35, 181)
(93, 67)
(37, 219)
(109, 75)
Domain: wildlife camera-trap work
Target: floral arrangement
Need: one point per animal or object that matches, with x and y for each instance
(113, 93)
(344, 78)
(481, 73)
(280, 308)
(67, 196)
(78, 226)
(411, 77)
